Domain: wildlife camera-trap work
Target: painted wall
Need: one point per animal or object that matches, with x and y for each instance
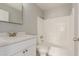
(59, 33)
(58, 11)
(58, 30)
(30, 13)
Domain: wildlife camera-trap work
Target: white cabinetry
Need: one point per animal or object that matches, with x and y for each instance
(23, 48)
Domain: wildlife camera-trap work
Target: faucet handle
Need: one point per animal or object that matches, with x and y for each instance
(41, 37)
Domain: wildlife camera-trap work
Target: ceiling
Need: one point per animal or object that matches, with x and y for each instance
(48, 6)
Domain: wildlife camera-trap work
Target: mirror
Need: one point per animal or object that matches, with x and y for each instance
(11, 12)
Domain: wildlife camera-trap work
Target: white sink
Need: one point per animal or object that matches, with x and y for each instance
(9, 40)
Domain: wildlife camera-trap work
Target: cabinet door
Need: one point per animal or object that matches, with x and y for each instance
(76, 29)
(19, 54)
(31, 51)
(28, 51)
(18, 48)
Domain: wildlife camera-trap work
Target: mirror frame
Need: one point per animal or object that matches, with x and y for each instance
(14, 22)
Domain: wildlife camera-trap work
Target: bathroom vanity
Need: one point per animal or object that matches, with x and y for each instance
(18, 46)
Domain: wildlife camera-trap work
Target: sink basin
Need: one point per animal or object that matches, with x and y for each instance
(9, 40)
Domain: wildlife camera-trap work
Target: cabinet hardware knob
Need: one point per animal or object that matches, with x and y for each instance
(26, 50)
(23, 51)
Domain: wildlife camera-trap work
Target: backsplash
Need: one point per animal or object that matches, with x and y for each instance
(21, 33)
(12, 34)
(3, 34)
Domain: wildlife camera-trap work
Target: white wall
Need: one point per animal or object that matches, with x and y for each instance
(30, 13)
(58, 11)
(40, 30)
(59, 31)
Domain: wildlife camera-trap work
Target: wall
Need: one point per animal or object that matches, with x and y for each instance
(30, 13)
(59, 32)
(30, 18)
(58, 11)
(40, 30)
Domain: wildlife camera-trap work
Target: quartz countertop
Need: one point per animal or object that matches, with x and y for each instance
(10, 40)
